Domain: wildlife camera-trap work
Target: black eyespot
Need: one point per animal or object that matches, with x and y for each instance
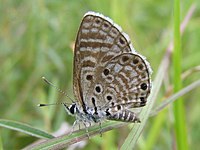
(114, 31)
(109, 98)
(143, 75)
(142, 99)
(112, 103)
(118, 107)
(143, 86)
(135, 61)
(97, 21)
(125, 58)
(106, 72)
(140, 66)
(105, 25)
(121, 40)
(89, 77)
(98, 89)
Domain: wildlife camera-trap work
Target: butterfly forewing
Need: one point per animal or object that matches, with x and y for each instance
(98, 41)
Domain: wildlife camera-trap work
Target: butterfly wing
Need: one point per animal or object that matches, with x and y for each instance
(127, 81)
(99, 45)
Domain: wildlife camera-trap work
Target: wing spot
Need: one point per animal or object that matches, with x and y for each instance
(105, 25)
(106, 72)
(121, 40)
(125, 59)
(98, 21)
(118, 107)
(140, 66)
(135, 61)
(98, 89)
(143, 75)
(143, 86)
(142, 99)
(109, 97)
(109, 78)
(89, 77)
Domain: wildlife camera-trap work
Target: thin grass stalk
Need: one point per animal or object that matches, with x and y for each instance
(179, 110)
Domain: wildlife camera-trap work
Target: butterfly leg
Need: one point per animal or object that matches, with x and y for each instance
(86, 128)
(73, 126)
(79, 126)
(100, 129)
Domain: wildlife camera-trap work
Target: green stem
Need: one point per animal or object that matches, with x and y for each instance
(179, 111)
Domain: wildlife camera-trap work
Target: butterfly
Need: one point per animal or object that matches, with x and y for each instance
(109, 76)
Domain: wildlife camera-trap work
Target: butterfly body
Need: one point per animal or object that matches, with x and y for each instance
(109, 77)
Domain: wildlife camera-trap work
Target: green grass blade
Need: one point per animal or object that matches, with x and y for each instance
(156, 127)
(66, 140)
(174, 97)
(17, 126)
(1, 143)
(161, 116)
(179, 110)
(133, 136)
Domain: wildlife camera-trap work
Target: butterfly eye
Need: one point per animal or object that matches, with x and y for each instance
(72, 108)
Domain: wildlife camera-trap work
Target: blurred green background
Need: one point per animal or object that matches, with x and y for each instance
(36, 39)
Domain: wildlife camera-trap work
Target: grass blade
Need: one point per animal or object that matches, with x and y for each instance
(133, 136)
(1, 143)
(179, 110)
(66, 140)
(17, 126)
(174, 97)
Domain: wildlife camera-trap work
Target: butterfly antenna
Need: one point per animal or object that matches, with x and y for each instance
(59, 90)
(42, 105)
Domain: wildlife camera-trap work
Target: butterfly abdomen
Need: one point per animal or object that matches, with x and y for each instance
(124, 115)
